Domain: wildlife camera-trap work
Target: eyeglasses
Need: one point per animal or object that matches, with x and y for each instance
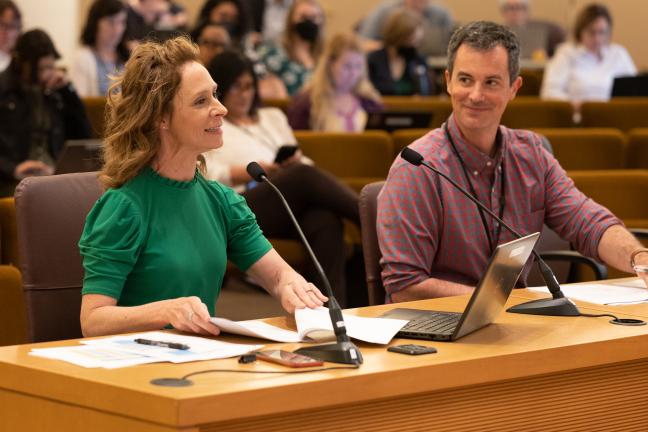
(14, 26)
(211, 43)
(242, 87)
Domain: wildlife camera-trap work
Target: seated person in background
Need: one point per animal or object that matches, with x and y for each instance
(250, 133)
(39, 110)
(231, 14)
(212, 39)
(268, 17)
(142, 17)
(434, 241)
(437, 25)
(295, 56)
(584, 70)
(538, 38)
(104, 50)
(174, 17)
(155, 245)
(339, 94)
(398, 69)
(10, 25)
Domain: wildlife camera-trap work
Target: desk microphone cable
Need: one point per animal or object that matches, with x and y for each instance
(616, 320)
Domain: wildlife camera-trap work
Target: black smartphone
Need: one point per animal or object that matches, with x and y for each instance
(285, 152)
(412, 349)
(287, 358)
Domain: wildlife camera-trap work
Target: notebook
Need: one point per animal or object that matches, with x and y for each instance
(79, 156)
(392, 120)
(487, 301)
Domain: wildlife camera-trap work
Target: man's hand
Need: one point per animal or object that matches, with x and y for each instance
(641, 266)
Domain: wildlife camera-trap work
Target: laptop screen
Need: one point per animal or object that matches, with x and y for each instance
(496, 284)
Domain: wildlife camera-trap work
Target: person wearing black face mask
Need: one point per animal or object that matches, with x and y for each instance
(294, 57)
(398, 69)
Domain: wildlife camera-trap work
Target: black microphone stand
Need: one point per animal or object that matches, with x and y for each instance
(343, 350)
(558, 305)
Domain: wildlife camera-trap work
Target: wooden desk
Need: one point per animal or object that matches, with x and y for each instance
(524, 372)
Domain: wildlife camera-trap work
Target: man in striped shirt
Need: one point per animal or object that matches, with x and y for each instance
(434, 241)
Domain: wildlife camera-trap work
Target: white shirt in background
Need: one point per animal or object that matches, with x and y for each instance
(576, 74)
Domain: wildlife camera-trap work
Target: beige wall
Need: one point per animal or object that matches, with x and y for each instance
(629, 16)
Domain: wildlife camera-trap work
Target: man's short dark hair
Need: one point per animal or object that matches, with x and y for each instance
(484, 36)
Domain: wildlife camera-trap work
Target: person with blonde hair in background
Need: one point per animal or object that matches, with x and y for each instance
(339, 95)
(155, 245)
(584, 70)
(398, 69)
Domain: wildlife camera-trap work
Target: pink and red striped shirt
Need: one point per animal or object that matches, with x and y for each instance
(428, 229)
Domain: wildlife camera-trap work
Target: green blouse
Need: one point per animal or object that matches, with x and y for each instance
(156, 238)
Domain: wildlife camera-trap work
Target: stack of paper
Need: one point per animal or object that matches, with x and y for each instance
(609, 294)
(119, 351)
(315, 324)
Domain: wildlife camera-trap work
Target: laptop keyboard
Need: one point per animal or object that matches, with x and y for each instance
(437, 323)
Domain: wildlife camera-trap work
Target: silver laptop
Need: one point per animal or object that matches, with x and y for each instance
(487, 301)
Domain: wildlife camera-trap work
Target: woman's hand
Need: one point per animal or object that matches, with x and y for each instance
(189, 314)
(293, 160)
(295, 293)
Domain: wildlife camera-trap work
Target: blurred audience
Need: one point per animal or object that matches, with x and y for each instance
(437, 25)
(538, 38)
(142, 18)
(39, 110)
(231, 14)
(339, 95)
(173, 17)
(294, 57)
(104, 50)
(212, 39)
(584, 70)
(398, 68)
(268, 17)
(251, 133)
(10, 26)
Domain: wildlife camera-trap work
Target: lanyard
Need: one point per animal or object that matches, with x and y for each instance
(492, 239)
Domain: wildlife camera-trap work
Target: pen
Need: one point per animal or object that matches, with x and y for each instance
(174, 345)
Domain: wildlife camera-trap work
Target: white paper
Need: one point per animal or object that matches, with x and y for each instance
(258, 329)
(604, 294)
(373, 330)
(93, 356)
(199, 348)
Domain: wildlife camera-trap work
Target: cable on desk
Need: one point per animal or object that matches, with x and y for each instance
(599, 315)
(269, 372)
(616, 320)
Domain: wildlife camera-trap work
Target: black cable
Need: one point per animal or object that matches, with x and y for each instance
(600, 315)
(269, 372)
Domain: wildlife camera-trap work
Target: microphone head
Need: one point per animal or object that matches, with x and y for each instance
(255, 171)
(411, 156)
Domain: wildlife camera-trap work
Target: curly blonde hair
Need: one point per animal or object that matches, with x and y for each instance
(321, 87)
(136, 102)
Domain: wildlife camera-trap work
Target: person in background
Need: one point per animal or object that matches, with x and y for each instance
(142, 18)
(398, 69)
(268, 17)
(212, 39)
(104, 50)
(584, 70)
(10, 26)
(295, 56)
(538, 38)
(174, 17)
(437, 25)
(231, 14)
(155, 245)
(319, 200)
(39, 110)
(339, 96)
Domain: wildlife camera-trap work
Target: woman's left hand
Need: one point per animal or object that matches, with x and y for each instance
(296, 293)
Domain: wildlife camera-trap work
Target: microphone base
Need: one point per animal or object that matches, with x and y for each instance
(339, 352)
(551, 307)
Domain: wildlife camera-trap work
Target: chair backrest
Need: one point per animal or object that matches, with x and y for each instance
(95, 108)
(530, 112)
(621, 113)
(440, 107)
(368, 203)
(51, 213)
(404, 137)
(587, 148)
(531, 82)
(356, 158)
(8, 235)
(637, 148)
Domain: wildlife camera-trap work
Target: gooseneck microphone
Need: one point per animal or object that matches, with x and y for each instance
(559, 305)
(343, 351)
